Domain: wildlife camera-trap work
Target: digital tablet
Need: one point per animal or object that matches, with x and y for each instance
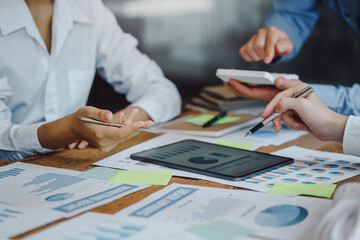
(252, 77)
(211, 159)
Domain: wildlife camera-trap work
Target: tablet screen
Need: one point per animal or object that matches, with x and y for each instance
(211, 159)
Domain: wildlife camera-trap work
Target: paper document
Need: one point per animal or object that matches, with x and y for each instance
(300, 171)
(96, 226)
(266, 135)
(271, 216)
(16, 220)
(60, 190)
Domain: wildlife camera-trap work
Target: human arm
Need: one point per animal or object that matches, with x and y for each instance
(260, 92)
(342, 221)
(140, 116)
(286, 29)
(343, 100)
(133, 73)
(69, 129)
(307, 114)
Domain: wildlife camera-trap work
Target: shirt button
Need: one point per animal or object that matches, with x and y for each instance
(347, 14)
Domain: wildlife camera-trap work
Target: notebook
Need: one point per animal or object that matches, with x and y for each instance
(183, 126)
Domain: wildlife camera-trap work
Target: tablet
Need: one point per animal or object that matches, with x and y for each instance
(211, 159)
(252, 77)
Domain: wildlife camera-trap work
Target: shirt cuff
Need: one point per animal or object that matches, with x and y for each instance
(352, 136)
(27, 140)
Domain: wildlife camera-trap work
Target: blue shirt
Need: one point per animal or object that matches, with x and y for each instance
(297, 18)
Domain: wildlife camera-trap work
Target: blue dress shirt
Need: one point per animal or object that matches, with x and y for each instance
(297, 19)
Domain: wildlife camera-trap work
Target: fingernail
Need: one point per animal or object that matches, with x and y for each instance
(108, 116)
(267, 60)
(82, 145)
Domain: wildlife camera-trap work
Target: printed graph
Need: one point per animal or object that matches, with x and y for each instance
(11, 173)
(216, 207)
(52, 181)
(111, 231)
(7, 214)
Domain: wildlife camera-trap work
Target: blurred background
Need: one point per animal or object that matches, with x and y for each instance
(190, 39)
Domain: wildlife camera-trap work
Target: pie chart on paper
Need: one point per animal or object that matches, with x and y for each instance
(281, 216)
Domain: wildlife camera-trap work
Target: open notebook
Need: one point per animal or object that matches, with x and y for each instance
(230, 123)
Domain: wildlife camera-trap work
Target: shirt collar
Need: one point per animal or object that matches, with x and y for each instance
(15, 15)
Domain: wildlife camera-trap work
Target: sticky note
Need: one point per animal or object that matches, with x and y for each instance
(203, 118)
(223, 230)
(100, 173)
(142, 177)
(318, 190)
(235, 144)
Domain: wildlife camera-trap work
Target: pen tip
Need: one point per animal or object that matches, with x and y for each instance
(247, 134)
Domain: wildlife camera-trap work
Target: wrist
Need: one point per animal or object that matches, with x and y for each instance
(338, 127)
(57, 134)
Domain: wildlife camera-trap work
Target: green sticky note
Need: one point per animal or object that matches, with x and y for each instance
(223, 230)
(203, 118)
(142, 177)
(235, 144)
(318, 190)
(100, 173)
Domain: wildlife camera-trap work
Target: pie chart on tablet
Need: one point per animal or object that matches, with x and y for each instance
(203, 160)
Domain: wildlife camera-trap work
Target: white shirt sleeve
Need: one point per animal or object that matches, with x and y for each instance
(343, 219)
(131, 72)
(352, 136)
(14, 137)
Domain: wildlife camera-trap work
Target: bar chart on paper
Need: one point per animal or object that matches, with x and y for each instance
(15, 220)
(92, 226)
(11, 173)
(53, 182)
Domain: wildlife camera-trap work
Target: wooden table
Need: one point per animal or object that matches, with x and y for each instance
(82, 160)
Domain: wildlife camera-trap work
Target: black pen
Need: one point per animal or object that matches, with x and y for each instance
(301, 94)
(214, 119)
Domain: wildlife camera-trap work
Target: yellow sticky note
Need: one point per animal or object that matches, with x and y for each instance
(142, 177)
(235, 144)
(203, 118)
(318, 190)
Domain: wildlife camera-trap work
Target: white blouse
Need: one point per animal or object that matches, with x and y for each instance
(38, 87)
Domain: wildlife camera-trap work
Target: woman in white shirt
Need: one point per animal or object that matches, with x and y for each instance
(50, 51)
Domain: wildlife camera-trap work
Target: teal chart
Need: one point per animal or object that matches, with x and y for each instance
(281, 216)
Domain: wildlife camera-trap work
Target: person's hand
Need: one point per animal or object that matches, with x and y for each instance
(261, 92)
(306, 114)
(266, 44)
(119, 117)
(70, 129)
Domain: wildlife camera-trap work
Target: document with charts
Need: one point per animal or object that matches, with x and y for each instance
(59, 190)
(271, 216)
(16, 220)
(93, 226)
(300, 171)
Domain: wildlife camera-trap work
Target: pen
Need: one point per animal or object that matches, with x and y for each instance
(113, 124)
(301, 94)
(214, 119)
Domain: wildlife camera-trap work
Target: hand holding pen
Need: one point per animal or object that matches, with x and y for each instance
(303, 93)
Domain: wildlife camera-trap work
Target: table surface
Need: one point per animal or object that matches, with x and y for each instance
(82, 160)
